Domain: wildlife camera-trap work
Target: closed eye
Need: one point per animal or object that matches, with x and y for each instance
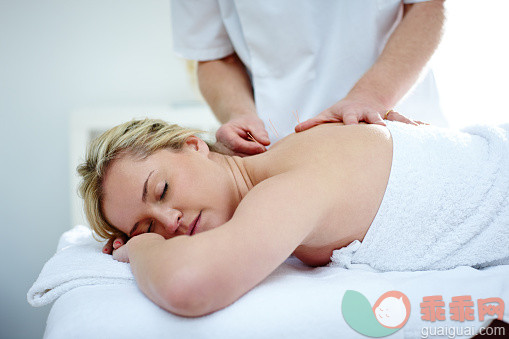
(164, 191)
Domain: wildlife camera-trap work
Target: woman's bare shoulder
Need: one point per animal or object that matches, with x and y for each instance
(320, 144)
(334, 135)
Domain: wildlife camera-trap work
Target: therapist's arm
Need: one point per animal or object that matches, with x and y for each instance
(225, 85)
(405, 55)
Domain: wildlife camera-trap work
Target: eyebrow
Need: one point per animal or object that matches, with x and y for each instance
(145, 186)
(144, 199)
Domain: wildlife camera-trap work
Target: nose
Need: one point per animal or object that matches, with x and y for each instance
(170, 219)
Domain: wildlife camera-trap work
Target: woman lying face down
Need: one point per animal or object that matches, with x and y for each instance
(195, 217)
(204, 228)
(170, 192)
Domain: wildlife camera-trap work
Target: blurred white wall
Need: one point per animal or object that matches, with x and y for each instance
(57, 56)
(472, 63)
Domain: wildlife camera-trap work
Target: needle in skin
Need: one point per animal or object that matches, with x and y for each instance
(296, 115)
(275, 131)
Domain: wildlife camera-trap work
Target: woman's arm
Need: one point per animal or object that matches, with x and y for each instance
(193, 276)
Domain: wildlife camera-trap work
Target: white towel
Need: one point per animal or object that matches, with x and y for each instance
(77, 262)
(446, 202)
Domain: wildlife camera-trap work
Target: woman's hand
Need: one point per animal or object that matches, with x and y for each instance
(117, 249)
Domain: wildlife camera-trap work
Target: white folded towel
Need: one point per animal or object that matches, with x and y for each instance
(446, 202)
(77, 262)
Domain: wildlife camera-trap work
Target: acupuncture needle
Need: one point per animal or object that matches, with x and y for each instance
(253, 139)
(296, 115)
(277, 134)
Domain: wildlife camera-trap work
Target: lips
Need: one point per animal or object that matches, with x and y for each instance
(193, 226)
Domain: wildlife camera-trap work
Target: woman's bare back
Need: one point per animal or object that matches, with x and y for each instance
(350, 163)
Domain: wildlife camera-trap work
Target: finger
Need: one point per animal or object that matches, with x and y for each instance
(121, 255)
(410, 121)
(395, 116)
(235, 139)
(350, 119)
(247, 144)
(388, 115)
(323, 117)
(260, 134)
(307, 125)
(375, 118)
(118, 242)
(251, 138)
(108, 248)
(421, 122)
(247, 147)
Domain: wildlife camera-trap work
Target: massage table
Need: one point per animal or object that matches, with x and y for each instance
(96, 297)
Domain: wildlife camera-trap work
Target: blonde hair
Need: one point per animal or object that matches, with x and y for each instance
(140, 138)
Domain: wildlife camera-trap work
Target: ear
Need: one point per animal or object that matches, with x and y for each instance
(196, 144)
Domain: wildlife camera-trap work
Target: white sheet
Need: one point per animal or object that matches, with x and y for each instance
(77, 262)
(294, 301)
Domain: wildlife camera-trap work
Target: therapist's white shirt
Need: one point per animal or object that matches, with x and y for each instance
(302, 55)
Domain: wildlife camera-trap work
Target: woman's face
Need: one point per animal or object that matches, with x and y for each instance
(170, 193)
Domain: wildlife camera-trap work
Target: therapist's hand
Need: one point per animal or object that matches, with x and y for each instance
(352, 110)
(233, 138)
